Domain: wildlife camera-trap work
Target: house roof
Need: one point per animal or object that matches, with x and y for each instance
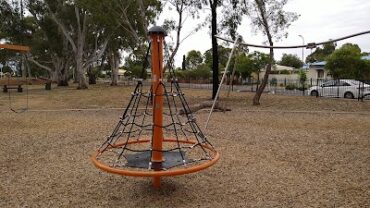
(319, 63)
(277, 67)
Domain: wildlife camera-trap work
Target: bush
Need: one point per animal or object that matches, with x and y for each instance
(201, 73)
(291, 87)
(302, 76)
(301, 88)
(273, 82)
(284, 71)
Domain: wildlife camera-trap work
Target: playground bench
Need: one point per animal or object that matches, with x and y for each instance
(14, 83)
(11, 87)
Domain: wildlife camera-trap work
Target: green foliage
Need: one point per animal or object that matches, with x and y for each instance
(302, 76)
(269, 17)
(223, 56)
(321, 54)
(244, 65)
(284, 71)
(251, 63)
(346, 62)
(202, 72)
(231, 17)
(260, 60)
(273, 82)
(291, 86)
(134, 64)
(134, 71)
(193, 59)
(291, 60)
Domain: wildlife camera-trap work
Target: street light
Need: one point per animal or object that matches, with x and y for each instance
(302, 47)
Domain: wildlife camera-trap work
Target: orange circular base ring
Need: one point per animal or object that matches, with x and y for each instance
(179, 171)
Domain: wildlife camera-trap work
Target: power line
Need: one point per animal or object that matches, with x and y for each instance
(308, 45)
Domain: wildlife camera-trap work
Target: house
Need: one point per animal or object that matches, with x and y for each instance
(317, 70)
(278, 72)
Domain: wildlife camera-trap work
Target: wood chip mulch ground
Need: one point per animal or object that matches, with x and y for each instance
(289, 152)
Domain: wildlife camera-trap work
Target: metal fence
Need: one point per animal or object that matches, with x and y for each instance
(336, 88)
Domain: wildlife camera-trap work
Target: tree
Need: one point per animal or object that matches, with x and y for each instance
(50, 48)
(346, 63)
(214, 4)
(269, 17)
(260, 61)
(291, 60)
(302, 77)
(127, 22)
(223, 56)
(231, 19)
(182, 7)
(14, 29)
(320, 54)
(194, 59)
(244, 65)
(77, 26)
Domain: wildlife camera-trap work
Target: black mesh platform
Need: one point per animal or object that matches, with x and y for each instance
(142, 159)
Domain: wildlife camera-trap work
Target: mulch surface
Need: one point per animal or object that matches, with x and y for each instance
(288, 152)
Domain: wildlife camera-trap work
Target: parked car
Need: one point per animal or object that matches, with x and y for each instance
(343, 88)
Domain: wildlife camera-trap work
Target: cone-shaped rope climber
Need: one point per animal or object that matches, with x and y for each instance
(151, 139)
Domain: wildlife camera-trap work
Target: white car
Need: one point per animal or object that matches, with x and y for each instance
(342, 88)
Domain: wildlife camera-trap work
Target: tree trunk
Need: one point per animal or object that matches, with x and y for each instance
(178, 33)
(261, 88)
(63, 78)
(91, 75)
(23, 69)
(80, 71)
(262, 10)
(206, 104)
(114, 62)
(214, 48)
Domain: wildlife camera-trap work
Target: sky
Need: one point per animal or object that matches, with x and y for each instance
(319, 20)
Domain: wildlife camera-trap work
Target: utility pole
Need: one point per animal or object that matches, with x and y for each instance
(302, 48)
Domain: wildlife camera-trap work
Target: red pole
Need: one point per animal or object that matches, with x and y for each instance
(157, 35)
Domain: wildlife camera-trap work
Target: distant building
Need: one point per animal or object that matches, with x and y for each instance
(278, 72)
(317, 71)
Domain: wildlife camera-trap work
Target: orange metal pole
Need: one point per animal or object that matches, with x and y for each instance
(15, 47)
(157, 36)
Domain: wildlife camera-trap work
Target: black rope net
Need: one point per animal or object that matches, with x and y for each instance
(131, 143)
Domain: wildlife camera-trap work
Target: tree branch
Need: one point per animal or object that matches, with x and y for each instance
(94, 57)
(30, 58)
(64, 30)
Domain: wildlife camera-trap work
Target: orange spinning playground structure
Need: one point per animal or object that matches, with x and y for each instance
(151, 138)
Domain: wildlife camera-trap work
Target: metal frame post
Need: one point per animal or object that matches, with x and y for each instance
(157, 35)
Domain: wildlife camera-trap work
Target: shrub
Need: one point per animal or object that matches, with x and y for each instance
(291, 87)
(273, 82)
(284, 71)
